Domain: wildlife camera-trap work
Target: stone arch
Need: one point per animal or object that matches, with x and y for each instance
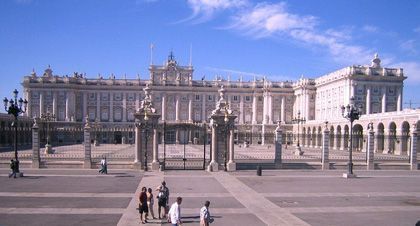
(338, 138)
(346, 137)
(357, 137)
(314, 137)
(319, 137)
(379, 145)
(390, 139)
(331, 137)
(308, 137)
(404, 137)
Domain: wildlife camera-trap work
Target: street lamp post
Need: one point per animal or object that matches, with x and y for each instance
(47, 118)
(14, 107)
(298, 120)
(351, 113)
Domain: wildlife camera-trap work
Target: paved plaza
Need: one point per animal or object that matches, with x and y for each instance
(278, 197)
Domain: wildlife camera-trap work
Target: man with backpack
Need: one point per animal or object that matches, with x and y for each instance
(163, 198)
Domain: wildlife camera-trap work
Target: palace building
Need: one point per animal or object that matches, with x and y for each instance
(258, 104)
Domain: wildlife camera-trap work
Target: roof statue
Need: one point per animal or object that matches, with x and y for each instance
(376, 62)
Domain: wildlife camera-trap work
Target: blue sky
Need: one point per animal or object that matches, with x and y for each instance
(282, 40)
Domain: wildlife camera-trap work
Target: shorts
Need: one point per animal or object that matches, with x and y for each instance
(162, 202)
(143, 208)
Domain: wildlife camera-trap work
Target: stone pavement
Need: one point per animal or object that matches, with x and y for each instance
(279, 197)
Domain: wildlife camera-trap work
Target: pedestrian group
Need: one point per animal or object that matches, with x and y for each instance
(172, 214)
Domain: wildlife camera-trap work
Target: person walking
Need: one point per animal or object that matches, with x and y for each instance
(174, 214)
(104, 167)
(163, 198)
(143, 205)
(205, 214)
(12, 168)
(150, 202)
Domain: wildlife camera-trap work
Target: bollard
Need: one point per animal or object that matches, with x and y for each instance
(259, 170)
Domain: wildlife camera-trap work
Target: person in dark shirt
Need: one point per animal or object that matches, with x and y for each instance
(143, 205)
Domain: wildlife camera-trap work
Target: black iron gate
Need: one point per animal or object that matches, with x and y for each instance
(185, 146)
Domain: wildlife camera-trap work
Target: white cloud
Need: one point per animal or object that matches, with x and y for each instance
(411, 70)
(417, 29)
(409, 46)
(370, 28)
(203, 10)
(265, 20)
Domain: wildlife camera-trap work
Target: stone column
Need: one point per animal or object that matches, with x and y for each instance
(177, 108)
(376, 143)
(241, 110)
(68, 102)
(231, 165)
(84, 110)
(265, 108)
(384, 99)
(399, 99)
(190, 108)
(124, 110)
(325, 149)
(36, 160)
(98, 106)
(163, 107)
(214, 165)
(278, 143)
(413, 148)
(387, 143)
(370, 148)
(368, 96)
(177, 135)
(138, 157)
(41, 103)
(111, 107)
(155, 162)
(283, 110)
(254, 109)
(87, 164)
(54, 110)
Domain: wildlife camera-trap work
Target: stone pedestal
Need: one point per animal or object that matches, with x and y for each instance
(370, 148)
(137, 165)
(213, 166)
(155, 165)
(231, 166)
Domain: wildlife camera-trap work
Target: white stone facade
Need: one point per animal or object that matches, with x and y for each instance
(258, 103)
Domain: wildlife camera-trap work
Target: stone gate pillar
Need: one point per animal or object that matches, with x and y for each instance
(222, 119)
(146, 122)
(325, 148)
(413, 148)
(231, 165)
(370, 148)
(278, 142)
(155, 162)
(87, 163)
(36, 159)
(138, 158)
(214, 165)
